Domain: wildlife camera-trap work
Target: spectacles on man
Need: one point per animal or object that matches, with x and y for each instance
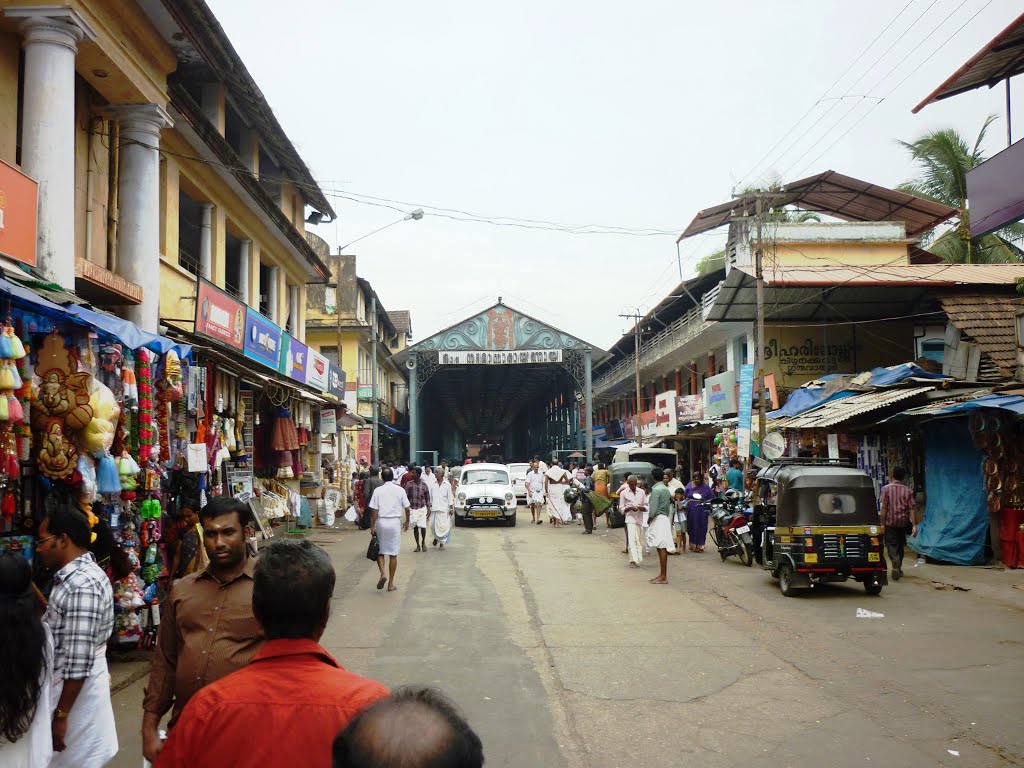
(46, 538)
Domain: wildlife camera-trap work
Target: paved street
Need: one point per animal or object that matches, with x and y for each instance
(561, 655)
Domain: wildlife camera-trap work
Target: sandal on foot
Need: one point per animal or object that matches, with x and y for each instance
(382, 582)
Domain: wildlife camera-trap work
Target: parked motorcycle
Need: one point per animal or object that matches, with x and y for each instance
(730, 530)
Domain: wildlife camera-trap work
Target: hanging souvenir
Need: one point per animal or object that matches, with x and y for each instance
(63, 391)
(146, 436)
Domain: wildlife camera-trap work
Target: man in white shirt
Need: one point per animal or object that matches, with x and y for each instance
(387, 504)
(535, 491)
(442, 507)
(633, 505)
(672, 482)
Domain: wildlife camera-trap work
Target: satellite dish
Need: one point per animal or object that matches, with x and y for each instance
(773, 446)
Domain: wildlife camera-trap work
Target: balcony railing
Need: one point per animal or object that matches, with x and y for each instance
(680, 332)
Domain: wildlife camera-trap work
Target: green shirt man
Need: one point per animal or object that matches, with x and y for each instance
(660, 501)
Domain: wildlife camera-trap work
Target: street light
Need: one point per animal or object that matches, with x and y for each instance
(415, 215)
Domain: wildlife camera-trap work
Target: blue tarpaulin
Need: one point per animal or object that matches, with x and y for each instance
(124, 331)
(1013, 403)
(807, 398)
(955, 526)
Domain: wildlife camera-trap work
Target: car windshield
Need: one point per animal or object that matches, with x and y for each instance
(478, 476)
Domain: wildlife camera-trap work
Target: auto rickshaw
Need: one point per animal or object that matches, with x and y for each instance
(816, 521)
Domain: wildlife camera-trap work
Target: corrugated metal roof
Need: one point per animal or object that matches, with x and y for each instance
(891, 274)
(991, 322)
(1002, 58)
(837, 195)
(838, 411)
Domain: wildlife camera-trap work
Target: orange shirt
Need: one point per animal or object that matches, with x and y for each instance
(291, 700)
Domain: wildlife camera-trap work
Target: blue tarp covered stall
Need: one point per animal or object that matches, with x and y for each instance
(956, 520)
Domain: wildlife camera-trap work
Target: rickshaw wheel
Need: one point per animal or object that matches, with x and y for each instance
(872, 588)
(786, 580)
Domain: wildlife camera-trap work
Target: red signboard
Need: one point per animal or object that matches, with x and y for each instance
(365, 445)
(219, 316)
(18, 215)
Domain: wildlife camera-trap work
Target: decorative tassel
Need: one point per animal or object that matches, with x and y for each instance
(18, 383)
(11, 466)
(17, 348)
(4, 411)
(107, 478)
(14, 409)
(6, 378)
(6, 348)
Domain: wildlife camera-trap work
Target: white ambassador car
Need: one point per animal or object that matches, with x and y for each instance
(485, 493)
(518, 472)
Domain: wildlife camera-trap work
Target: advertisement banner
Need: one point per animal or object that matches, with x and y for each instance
(689, 408)
(219, 316)
(721, 391)
(336, 382)
(298, 360)
(745, 406)
(284, 360)
(316, 370)
(365, 392)
(19, 212)
(364, 446)
(262, 339)
(629, 428)
(648, 419)
(328, 421)
(517, 357)
(665, 414)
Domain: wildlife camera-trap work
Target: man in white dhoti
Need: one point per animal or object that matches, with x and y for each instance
(442, 507)
(557, 482)
(535, 491)
(80, 616)
(633, 505)
(659, 531)
(387, 504)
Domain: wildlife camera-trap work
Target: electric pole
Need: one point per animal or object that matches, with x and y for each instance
(759, 338)
(635, 317)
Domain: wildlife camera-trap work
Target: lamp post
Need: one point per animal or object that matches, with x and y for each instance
(415, 215)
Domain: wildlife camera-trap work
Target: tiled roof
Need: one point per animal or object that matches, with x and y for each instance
(991, 322)
(401, 319)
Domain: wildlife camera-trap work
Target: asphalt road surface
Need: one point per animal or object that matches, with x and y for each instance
(562, 655)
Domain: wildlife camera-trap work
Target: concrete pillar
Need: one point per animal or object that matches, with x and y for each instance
(244, 261)
(51, 37)
(711, 364)
(138, 195)
(694, 384)
(293, 310)
(588, 404)
(254, 275)
(414, 409)
(272, 295)
(206, 241)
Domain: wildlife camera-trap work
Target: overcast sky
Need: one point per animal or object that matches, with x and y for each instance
(632, 115)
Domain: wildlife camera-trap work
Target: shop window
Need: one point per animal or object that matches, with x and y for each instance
(233, 265)
(189, 225)
(331, 353)
(933, 350)
(266, 274)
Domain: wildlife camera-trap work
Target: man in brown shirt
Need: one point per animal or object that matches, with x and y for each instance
(207, 626)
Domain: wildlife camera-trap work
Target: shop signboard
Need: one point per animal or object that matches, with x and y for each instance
(487, 357)
(283, 361)
(316, 370)
(689, 408)
(649, 419)
(219, 316)
(665, 414)
(745, 405)
(365, 392)
(328, 422)
(298, 360)
(629, 428)
(262, 339)
(336, 382)
(364, 446)
(721, 391)
(18, 215)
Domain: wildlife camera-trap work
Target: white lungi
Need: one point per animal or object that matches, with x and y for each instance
(659, 534)
(536, 497)
(389, 535)
(418, 518)
(635, 545)
(556, 500)
(442, 524)
(91, 736)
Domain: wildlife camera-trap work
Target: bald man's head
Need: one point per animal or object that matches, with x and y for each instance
(412, 728)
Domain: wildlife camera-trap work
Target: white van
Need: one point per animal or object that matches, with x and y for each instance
(666, 458)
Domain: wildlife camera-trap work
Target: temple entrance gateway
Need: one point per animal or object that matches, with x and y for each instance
(500, 385)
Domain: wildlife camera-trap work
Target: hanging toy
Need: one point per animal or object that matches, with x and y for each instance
(146, 435)
(17, 348)
(129, 385)
(127, 469)
(63, 391)
(108, 479)
(57, 456)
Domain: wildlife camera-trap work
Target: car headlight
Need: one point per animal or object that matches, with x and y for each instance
(509, 497)
(462, 498)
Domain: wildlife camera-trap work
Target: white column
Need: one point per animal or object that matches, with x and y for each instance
(138, 194)
(272, 296)
(206, 242)
(244, 257)
(51, 37)
(293, 310)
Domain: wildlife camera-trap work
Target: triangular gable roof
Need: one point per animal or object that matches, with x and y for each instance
(498, 328)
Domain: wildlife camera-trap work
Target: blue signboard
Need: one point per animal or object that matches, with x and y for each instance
(336, 382)
(262, 339)
(745, 408)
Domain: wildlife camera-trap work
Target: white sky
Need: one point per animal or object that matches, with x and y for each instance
(583, 112)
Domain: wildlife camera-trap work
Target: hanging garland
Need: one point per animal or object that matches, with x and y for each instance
(146, 432)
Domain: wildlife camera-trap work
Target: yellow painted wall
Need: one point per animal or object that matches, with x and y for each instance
(9, 46)
(838, 254)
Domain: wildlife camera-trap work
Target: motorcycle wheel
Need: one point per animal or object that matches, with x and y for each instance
(746, 554)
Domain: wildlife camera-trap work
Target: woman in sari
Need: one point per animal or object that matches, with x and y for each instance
(697, 511)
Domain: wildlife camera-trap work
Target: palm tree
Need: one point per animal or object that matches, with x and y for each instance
(944, 158)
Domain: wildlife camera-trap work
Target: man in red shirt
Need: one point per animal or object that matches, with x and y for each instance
(293, 697)
(898, 506)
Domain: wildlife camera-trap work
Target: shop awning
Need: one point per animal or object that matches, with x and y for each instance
(124, 331)
(837, 411)
(1012, 403)
(391, 429)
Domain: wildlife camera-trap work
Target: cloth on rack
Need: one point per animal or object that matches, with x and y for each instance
(285, 437)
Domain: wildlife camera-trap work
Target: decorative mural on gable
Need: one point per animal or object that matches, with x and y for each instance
(500, 328)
